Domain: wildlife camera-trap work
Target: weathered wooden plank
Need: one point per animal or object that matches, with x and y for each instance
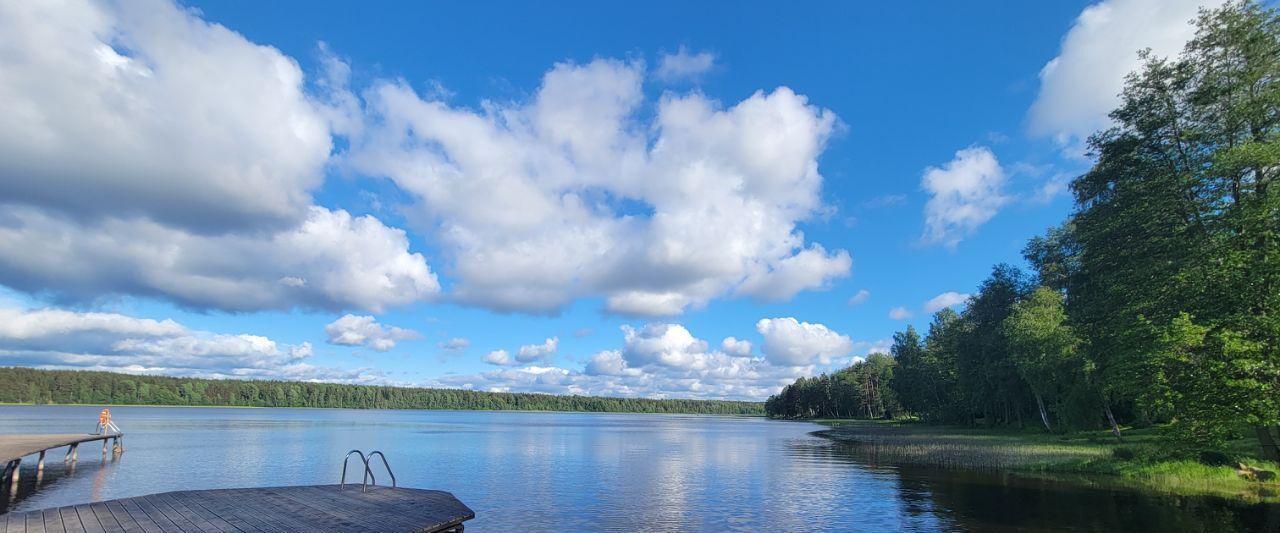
(52, 520)
(70, 520)
(350, 507)
(109, 523)
(157, 515)
(226, 522)
(197, 523)
(266, 510)
(140, 517)
(89, 520)
(35, 522)
(319, 515)
(13, 524)
(251, 510)
(18, 446)
(122, 516)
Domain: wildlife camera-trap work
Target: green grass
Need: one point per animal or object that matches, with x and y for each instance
(1084, 457)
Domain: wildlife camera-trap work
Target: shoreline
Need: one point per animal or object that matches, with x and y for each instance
(1086, 458)
(115, 405)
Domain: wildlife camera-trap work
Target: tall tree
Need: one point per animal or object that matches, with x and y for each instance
(1178, 292)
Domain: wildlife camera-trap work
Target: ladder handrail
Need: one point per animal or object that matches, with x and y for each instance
(367, 474)
(384, 464)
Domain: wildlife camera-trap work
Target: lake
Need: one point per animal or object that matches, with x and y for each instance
(589, 472)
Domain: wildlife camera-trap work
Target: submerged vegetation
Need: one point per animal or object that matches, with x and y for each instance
(30, 386)
(1153, 312)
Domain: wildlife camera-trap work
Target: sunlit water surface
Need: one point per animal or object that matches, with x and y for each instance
(589, 472)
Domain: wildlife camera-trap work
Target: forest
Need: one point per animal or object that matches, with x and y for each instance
(32, 386)
(1156, 302)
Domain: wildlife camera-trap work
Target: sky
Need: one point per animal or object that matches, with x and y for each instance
(668, 200)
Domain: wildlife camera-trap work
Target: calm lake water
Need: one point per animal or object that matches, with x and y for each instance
(591, 472)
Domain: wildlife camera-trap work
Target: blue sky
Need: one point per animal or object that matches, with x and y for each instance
(575, 197)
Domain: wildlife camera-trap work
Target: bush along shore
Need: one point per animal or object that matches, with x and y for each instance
(1144, 341)
(1091, 458)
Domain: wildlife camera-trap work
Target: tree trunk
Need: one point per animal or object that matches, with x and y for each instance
(1106, 408)
(1270, 449)
(1044, 415)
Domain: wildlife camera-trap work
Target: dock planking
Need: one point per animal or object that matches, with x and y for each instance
(13, 447)
(302, 508)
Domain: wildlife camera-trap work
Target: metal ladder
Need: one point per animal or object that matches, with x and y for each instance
(368, 474)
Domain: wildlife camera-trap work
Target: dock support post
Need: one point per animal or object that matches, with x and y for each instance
(40, 465)
(104, 446)
(75, 452)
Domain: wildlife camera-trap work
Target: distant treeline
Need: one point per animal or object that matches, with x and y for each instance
(26, 385)
(1156, 301)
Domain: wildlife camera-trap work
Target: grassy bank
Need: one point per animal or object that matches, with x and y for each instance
(1094, 458)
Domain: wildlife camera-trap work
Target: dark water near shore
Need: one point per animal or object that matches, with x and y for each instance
(590, 472)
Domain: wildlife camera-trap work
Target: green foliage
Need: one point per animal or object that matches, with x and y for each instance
(26, 385)
(860, 391)
(1159, 298)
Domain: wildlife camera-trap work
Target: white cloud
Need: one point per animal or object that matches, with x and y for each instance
(51, 338)
(352, 330)
(788, 341)
(608, 363)
(684, 65)
(147, 152)
(736, 347)
(1080, 86)
(964, 194)
(667, 361)
(945, 300)
(143, 109)
(331, 261)
(499, 357)
(860, 298)
(456, 344)
(899, 313)
(870, 347)
(662, 344)
(533, 352)
(577, 192)
(797, 273)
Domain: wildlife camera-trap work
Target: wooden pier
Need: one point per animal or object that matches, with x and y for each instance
(14, 447)
(304, 508)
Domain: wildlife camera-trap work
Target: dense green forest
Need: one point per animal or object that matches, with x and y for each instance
(26, 385)
(1156, 302)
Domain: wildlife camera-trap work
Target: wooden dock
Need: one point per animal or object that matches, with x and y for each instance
(304, 508)
(14, 447)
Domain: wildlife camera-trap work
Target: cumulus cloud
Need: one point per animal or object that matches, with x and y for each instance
(499, 357)
(665, 360)
(456, 344)
(331, 261)
(147, 152)
(52, 338)
(945, 300)
(964, 194)
(352, 330)
(788, 341)
(142, 108)
(534, 352)
(577, 192)
(899, 313)
(1080, 86)
(662, 344)
(735, 347)
(860, 298)
(684, 65)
